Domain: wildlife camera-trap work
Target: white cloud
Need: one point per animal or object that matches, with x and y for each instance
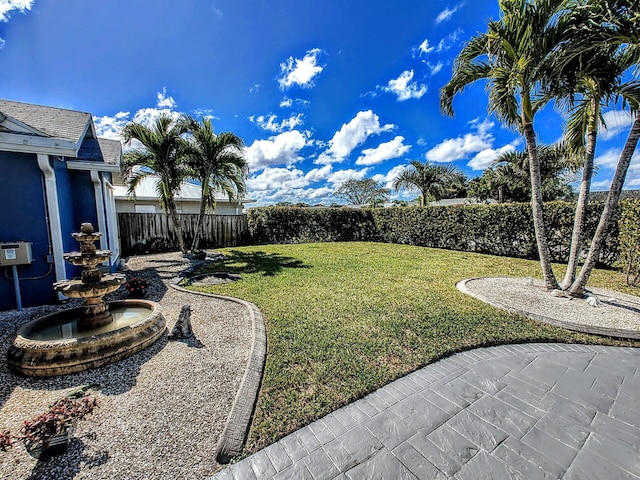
(385, 151)
(205, 113)
(609, 160)
(391, 175)
(165, 101)
(319, 174)
(286, 102)
(600, 185)
(341, 176)
(404, 88)
(433, 69)
(616, 121)
(271, 123)
(110, 127)
(447, 42)
(300, 71)
(2, 43)
(423, 49)
(351, 135)
(283, 149)
(294, 195)
(485, 158)
(457, 148)
(7, 7)
(446, 14)
(277, 179)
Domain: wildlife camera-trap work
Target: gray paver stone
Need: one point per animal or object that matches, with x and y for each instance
(278, 456)
(621, 455)
(262, 466)
(555, 450)
(321, 465)
(445, 448)
(525, 452)
(485, 467)
(480, 432)
(591, 467)
(504, 416)
(382, 466)
(616, 430)
(390, 429)
(416, 463)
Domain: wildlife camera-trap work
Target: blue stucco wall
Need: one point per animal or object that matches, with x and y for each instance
(23, 217)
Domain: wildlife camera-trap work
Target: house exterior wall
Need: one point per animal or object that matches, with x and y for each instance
(23, 218)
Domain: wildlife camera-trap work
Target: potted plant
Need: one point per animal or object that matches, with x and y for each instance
(50, 432)
(137, 287)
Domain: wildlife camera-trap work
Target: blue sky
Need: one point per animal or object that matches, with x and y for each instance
(320, 91)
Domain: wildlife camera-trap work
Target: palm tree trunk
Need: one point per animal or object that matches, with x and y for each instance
(577, 287)
(581, 211)
(171, 204)
(197, 234)
(501, 194)
(537, 208)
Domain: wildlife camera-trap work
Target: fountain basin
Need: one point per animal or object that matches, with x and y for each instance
(53, 345)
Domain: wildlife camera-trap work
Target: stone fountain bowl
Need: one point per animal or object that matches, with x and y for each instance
(35, 353)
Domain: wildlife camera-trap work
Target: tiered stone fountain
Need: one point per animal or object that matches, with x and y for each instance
(95, 334)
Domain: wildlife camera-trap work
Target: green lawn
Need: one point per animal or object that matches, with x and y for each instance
(346, 318)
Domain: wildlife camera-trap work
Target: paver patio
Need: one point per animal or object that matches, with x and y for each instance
(513, 411)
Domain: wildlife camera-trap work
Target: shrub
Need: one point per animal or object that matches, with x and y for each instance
(498, 229)
(629, 240)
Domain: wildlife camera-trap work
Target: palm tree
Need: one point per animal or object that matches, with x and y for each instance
(509, 55)
(162, 155)
(556, 162)
(584, 87)
(217, 162)
(431, 181)
(618, 24)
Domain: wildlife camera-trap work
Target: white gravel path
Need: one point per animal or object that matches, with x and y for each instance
(608, 313)
(161, 411)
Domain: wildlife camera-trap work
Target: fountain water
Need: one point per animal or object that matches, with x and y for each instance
(92, 335)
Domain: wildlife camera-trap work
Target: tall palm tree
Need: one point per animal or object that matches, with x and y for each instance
(431, 181)
(584, 87)
(162, 155)
(617, 23)
(218, 163)
(508, 55)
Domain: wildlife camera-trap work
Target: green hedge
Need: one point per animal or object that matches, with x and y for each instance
(306, 225)
(504, 229)
(629, 238)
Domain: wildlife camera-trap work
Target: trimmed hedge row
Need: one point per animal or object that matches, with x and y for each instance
(629, 237)
(503, 229)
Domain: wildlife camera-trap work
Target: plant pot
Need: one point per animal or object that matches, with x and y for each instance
(56, 445)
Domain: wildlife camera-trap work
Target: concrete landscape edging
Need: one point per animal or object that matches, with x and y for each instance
(578, 327)
(234, 434)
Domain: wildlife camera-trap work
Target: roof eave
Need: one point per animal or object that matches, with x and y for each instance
(91, 166)
(12, 142)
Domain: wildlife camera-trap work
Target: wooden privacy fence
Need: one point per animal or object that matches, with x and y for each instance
(154, 232)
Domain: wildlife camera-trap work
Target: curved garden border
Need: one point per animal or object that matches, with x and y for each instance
(578, 327)
(236, 428)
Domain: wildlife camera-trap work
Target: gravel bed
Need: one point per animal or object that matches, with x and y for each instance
(602, 311)
(161, 410)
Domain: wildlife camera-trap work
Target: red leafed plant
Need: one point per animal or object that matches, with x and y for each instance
(136, 286)
(41, 428)
(6, 441)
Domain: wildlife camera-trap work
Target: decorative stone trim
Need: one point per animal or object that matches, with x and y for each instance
(236, 428)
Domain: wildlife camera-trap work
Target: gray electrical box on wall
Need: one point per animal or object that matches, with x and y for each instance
(15, 253)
